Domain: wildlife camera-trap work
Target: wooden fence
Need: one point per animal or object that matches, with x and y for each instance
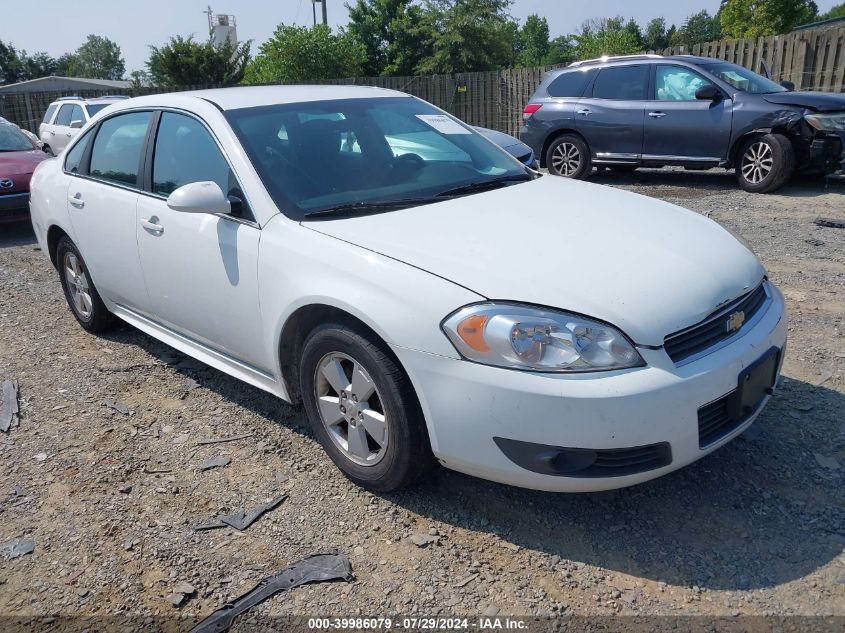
(813, 59)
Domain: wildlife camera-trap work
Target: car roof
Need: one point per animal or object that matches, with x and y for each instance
(255, 96)
(632, 60)
(694, 59)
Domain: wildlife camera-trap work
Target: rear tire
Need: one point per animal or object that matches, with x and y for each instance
(765, 163)
(82, 297)
(363, 409)
(569, 156)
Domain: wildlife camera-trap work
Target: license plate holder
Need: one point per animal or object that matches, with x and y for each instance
(754, 383)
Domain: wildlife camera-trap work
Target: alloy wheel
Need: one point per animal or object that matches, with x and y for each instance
(351, 409)
(757, 162)
(78, 286)
(566, 159)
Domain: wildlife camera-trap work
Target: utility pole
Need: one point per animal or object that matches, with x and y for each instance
(325, 13)
(314, 10)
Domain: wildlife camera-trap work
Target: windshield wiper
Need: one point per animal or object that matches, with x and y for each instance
(364, 208)
(484, 185)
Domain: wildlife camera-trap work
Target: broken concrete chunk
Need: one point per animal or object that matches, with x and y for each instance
(17, 547)
(827, 461)
(9, 409)
(830, 223)
(185, 588)
(423, 540)
(176, 599)
(215, 462)
(116, 406)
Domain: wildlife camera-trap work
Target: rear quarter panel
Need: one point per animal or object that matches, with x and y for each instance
(48, 201)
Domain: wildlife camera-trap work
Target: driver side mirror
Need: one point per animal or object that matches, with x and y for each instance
(199, 197)
(708, 92)
(788, 85)
(75, 125)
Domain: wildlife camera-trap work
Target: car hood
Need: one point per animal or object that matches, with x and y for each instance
(821, 101)
(501, 139)
(25, 162)
(646, 266)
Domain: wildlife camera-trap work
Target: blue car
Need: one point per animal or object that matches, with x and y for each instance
(652, 111)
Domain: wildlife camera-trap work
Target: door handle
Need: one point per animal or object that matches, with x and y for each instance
(152, 226)
(76, 200)
(657, 115)
(584, 112)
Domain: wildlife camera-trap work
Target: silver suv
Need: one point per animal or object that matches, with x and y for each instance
(65, 117)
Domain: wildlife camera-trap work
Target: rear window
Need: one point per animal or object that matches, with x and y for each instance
(571, 84)
(65, 112)
(622, 83)
(93, 108)
(49, 114)
(116, 153)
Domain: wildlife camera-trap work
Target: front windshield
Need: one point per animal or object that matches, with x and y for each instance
(323, 155)
(742, 78)
(13, 140)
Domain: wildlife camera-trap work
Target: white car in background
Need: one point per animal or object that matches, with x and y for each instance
(448, 304)
(65, 117)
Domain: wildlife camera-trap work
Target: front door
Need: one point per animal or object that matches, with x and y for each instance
(102, 201)
(681, 128)
(610, 116)
(200, 268)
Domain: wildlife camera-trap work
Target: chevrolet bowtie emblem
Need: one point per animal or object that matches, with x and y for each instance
(735, 321)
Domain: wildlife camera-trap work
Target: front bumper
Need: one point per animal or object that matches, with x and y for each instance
(467, 405)
(14, 206)
(826, 153)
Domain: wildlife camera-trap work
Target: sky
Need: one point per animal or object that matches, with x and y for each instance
(59, 26)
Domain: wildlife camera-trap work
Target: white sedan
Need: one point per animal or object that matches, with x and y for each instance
(444, 306)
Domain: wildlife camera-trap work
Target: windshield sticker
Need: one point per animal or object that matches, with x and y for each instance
(443, 124)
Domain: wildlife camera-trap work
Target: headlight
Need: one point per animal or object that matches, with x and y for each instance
(827, 122)
(521, 337)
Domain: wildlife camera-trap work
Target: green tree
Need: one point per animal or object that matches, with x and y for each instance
(296, 54)
(561, 51)
(837, 11)
(654, 38)
(18, 65)
(604, 36)
(392, 34)
(469, 36)
(533, 41)
(753, 18)
(634, 29)
(98, 58)
(698, 28)
(184, 62)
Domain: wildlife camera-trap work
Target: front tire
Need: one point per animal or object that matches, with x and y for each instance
(569, 156)
(363, 409)
(765, 163)
(82, 297)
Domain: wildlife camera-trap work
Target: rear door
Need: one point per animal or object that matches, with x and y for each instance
(56, 132)
(102, 202)
(681, 128)
(610, 117)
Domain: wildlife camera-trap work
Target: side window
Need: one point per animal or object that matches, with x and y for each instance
(117, 148)
(622, 83)
(63, 118)
(185, 152)
(570, 84)
(48, 116)
(76, 114)
(74, 156)
(674, 83)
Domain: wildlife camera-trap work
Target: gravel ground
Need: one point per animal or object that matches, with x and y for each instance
(110, 493)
